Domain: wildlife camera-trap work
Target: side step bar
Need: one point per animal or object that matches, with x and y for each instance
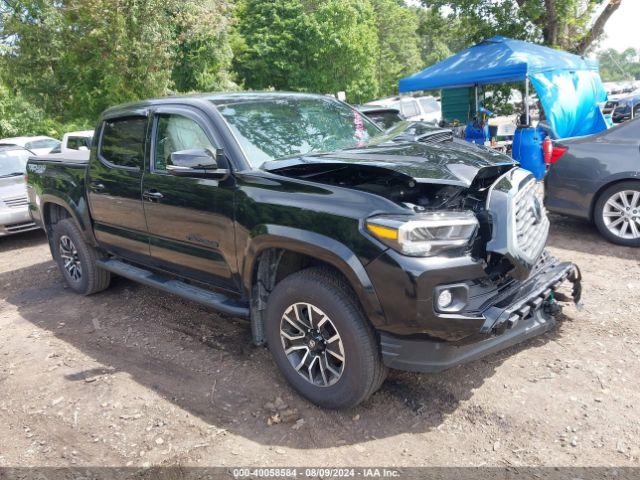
(216, 301)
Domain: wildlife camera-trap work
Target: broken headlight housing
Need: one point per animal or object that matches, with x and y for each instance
(425, 234)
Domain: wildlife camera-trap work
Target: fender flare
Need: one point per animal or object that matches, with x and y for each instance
(323, 248)
(78, 211)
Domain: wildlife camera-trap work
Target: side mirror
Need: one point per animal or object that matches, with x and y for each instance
(198, 162)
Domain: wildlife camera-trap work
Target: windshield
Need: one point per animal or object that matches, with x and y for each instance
(269, 128)
(13, 162)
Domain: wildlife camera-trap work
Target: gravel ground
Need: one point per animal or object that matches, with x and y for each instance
(134, 377)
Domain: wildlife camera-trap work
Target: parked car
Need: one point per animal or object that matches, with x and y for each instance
(14, 207)
(597, 178)
(626, 108)
(80, 140)
(349, 250)
(415, 109)
(39, 145)
(384, 117)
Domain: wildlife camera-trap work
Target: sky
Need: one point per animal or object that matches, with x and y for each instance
(622, 28)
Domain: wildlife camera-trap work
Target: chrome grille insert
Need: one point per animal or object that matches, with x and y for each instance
(531, 222)
(519, 221)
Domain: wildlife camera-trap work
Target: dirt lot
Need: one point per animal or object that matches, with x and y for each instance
(134, 376)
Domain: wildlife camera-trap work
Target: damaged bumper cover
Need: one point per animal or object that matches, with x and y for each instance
(529, 314)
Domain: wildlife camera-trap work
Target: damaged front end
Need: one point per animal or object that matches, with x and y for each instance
(503, 284)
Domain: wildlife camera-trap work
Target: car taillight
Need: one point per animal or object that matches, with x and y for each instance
(556, 153)
(26, 178)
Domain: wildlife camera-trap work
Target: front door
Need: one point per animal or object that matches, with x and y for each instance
(113, 186)
(190, 220)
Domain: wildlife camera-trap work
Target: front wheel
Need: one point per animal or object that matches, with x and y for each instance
(77, 260)
(322, 343)
(617, 213)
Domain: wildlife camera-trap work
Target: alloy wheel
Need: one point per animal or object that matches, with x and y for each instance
(70, 258)
(621, 214)
(312, 344)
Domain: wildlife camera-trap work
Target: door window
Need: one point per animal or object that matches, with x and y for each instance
(175, 133)
(122, 142)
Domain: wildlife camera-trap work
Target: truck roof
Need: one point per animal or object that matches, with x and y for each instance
(209, 98)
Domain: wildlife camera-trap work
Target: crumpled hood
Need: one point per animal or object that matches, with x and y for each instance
(451, 162)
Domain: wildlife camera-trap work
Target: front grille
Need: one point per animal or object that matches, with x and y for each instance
(531, 222)
(16, 202)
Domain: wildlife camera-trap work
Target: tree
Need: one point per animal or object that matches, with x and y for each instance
(74, 58)
(439, 36)
(203, 52)
(617, 66)
(572, 25)
(301, 45)
(399, 52)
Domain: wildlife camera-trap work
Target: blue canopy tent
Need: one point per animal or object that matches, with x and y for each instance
(569, 86)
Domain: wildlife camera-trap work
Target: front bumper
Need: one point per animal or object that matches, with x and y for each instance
(527, 315)
(15, 220)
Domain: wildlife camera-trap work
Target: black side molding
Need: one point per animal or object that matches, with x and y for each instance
(214, 300)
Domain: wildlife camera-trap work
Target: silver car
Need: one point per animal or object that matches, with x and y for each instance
(14, 207)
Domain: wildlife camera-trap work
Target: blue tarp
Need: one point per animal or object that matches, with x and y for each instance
(570, 101)
(569, 86)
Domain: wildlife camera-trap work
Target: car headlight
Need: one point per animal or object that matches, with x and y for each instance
(424, 234)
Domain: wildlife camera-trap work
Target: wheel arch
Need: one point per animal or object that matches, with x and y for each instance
(282, 251)
(54, 208)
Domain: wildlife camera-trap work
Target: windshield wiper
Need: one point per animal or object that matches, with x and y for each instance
(12, 174)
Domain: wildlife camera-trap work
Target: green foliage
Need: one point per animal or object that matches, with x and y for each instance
(324, 46)
(399, 52)
(439, 36)
(19, 117)
(74, 58)
(203, 52)
(566, 24)
(77, 57)
(616, 66)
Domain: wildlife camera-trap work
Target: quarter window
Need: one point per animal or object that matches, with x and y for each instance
(123, 142)
(175, 133)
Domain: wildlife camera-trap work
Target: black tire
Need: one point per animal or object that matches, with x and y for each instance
(598, 213)
(91, 279)
(363, 371)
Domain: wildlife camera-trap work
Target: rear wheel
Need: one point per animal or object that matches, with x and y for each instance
(321, 340)
(617, 213)
(77, 260)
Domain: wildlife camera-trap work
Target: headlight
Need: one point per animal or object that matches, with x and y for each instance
(424, 234)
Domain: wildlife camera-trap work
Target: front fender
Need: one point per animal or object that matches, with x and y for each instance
(324, 249)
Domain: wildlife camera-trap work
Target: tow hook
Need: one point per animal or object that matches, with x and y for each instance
(551, 306)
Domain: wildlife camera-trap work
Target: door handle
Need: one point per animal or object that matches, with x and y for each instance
(96, 186)
(152, 195)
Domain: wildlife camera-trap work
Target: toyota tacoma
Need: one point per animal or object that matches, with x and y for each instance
(350, 250)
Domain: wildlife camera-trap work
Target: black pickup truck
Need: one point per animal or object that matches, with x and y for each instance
(349, 249)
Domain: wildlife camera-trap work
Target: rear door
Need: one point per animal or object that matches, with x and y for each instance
(114, 187)
(190, 220)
